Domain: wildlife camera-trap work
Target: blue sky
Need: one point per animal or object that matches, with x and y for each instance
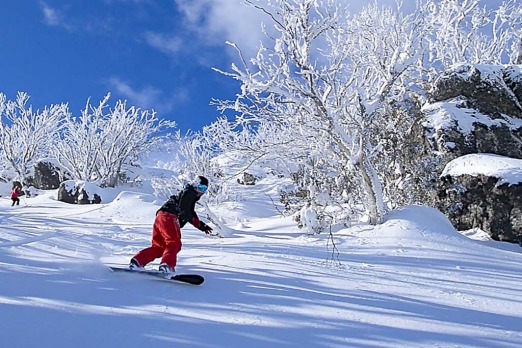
(150, 53)
(156, 54)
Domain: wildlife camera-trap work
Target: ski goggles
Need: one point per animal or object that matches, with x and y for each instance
(201, 188)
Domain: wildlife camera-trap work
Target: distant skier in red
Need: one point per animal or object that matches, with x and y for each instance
(14, 196)
(166, 231)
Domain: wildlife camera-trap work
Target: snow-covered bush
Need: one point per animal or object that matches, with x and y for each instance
(97, 145)
(26, 135)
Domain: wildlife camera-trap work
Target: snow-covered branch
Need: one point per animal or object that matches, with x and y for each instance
(101, 141)
(25, 135)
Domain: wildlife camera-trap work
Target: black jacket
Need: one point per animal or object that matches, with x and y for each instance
(182, 205)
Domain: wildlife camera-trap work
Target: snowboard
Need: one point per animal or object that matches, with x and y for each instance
(194, 279)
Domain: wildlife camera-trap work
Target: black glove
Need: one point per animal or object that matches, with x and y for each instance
(205, 228)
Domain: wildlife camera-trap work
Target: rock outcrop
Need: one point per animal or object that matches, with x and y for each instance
(477, 110)
(78, 192)
(486, 195)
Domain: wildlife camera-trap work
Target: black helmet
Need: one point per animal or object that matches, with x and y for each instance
(202, 181)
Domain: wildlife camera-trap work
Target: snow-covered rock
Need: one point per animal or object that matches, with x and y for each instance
(474, 110)
(484, 191)
(79, 192)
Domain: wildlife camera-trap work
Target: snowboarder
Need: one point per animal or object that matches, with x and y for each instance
(166, 231)
(14, 196)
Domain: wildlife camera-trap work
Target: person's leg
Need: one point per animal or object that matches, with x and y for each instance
(157, 248)
(172, 235)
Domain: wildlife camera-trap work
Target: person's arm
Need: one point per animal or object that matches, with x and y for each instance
(188, 203)
(200, 225)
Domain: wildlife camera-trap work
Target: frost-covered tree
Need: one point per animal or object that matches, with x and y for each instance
(472, 32)
(102, 140)
(256, 142)
(330, 76)
(195, 153)
(349, 87)
(26, 135)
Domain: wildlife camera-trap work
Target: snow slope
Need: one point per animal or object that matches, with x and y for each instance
(410, 282)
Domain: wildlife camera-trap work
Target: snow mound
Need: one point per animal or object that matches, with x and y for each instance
(421, 218)
(422, 227)
(123, 209)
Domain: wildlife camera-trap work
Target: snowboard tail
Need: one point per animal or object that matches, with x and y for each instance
(194, 279)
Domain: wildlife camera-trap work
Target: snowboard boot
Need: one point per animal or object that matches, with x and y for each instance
(164, 268)
(134, 265)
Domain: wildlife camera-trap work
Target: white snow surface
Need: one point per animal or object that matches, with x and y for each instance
(508, 170)
(411, 282)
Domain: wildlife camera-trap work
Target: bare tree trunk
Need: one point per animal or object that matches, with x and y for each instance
(373, 191)
(113, 180)
(518, 60)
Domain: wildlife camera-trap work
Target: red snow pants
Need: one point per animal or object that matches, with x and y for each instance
(166, 241)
